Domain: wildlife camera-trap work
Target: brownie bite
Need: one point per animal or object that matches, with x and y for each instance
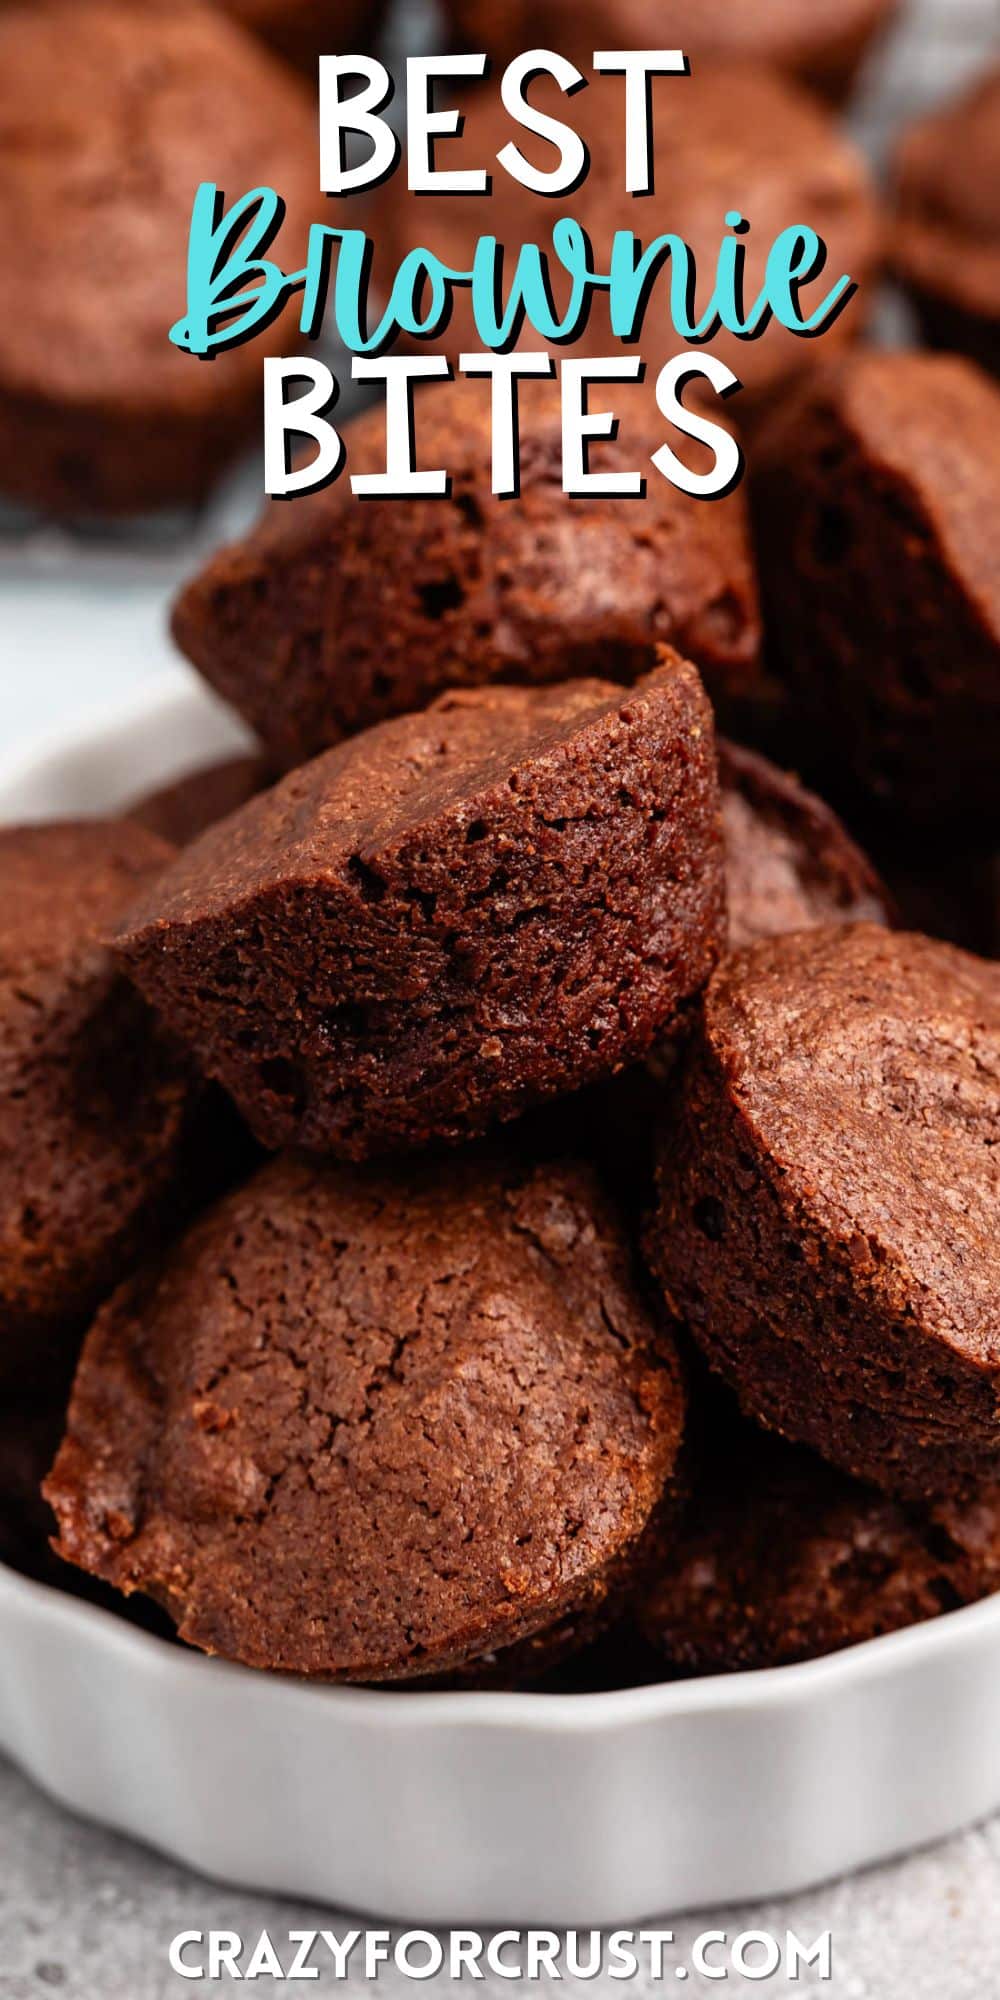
(728, 138)
(876, 497)
(449, 918)
(374, 1425)
(99, 412)
(790, 863)
(178, 812)
(827, 1200)
(946, 242)
(782, 1558)
(30, 1434)
(94, 1099)
(821, 43)
(334, 614)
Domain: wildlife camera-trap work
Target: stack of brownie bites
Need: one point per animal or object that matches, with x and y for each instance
(499, 1187)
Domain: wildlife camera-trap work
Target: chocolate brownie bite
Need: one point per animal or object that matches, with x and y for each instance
(821, 43)
(178, 812)
(30, 1434)
(826, 1217)
(790, 865)
(782, 1558)
(729, 138)
(99, 412)
(946, 243)
(373, 1425)
(790, 862)
(449, 918)
(332, 615)
(95, 1101)
(876, 496)
(546, 1655)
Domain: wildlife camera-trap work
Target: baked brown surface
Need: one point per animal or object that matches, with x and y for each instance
(946, 243)
(449, 918)
(827, 1200)
(368, 1425)
(730, 136)
(115, 116)
(94, 1099)
(784, 1559)
(876, 496)
(29, 1438)
(178, 812)
(790, 865)
(820, 42)
(335, 613)
(790, 862)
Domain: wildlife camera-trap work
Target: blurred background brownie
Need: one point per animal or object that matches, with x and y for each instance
(819, 42)
(946, 245)
(876, 496)
(304, 30)
(95, 1101)
(449, 918)
(731, 138)
(113, 116)
(790, 863)
(372, 1426)
(781, 1558)
(334, 614)
(828, 1190)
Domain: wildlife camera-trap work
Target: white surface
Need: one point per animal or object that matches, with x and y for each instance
(478, 1807)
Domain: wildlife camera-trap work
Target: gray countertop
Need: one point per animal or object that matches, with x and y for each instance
(88, 1916)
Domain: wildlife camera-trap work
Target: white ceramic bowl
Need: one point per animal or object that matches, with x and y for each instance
(484, 1808)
